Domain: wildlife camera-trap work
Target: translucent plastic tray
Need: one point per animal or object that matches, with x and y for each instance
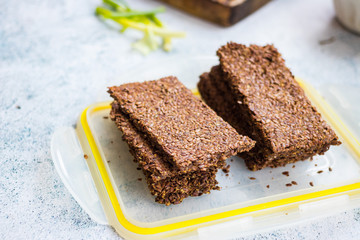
(116, 193)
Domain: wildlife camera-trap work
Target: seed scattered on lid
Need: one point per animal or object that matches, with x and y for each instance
(288, 185)
(311, 184)
(294, 183)
(105, 117)
(320, 171)
(86, 156)
(268, 186)
(139, 179)
(330, 169)
(226, 169)
(138, 168)
(286, 173)
(293, 166)
(18, 107)
(252, 178)
(327, 41)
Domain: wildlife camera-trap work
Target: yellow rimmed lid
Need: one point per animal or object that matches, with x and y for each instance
(131, 210)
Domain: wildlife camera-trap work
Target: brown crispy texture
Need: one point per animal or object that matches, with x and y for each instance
(206, 138)
(256, 93)
(163, 181)
(186, 131)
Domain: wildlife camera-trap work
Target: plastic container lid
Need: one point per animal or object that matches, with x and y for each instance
(97, 168)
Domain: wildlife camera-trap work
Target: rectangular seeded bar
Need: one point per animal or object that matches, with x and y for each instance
(178, 141)
(163, 181)
(256, 93)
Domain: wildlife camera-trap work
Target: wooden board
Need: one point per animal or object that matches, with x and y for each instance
(224, 12)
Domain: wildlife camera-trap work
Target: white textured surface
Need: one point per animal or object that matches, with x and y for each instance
(55, 58)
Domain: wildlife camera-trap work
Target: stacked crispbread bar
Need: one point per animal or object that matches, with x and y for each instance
(178, 141)
(257, 94)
